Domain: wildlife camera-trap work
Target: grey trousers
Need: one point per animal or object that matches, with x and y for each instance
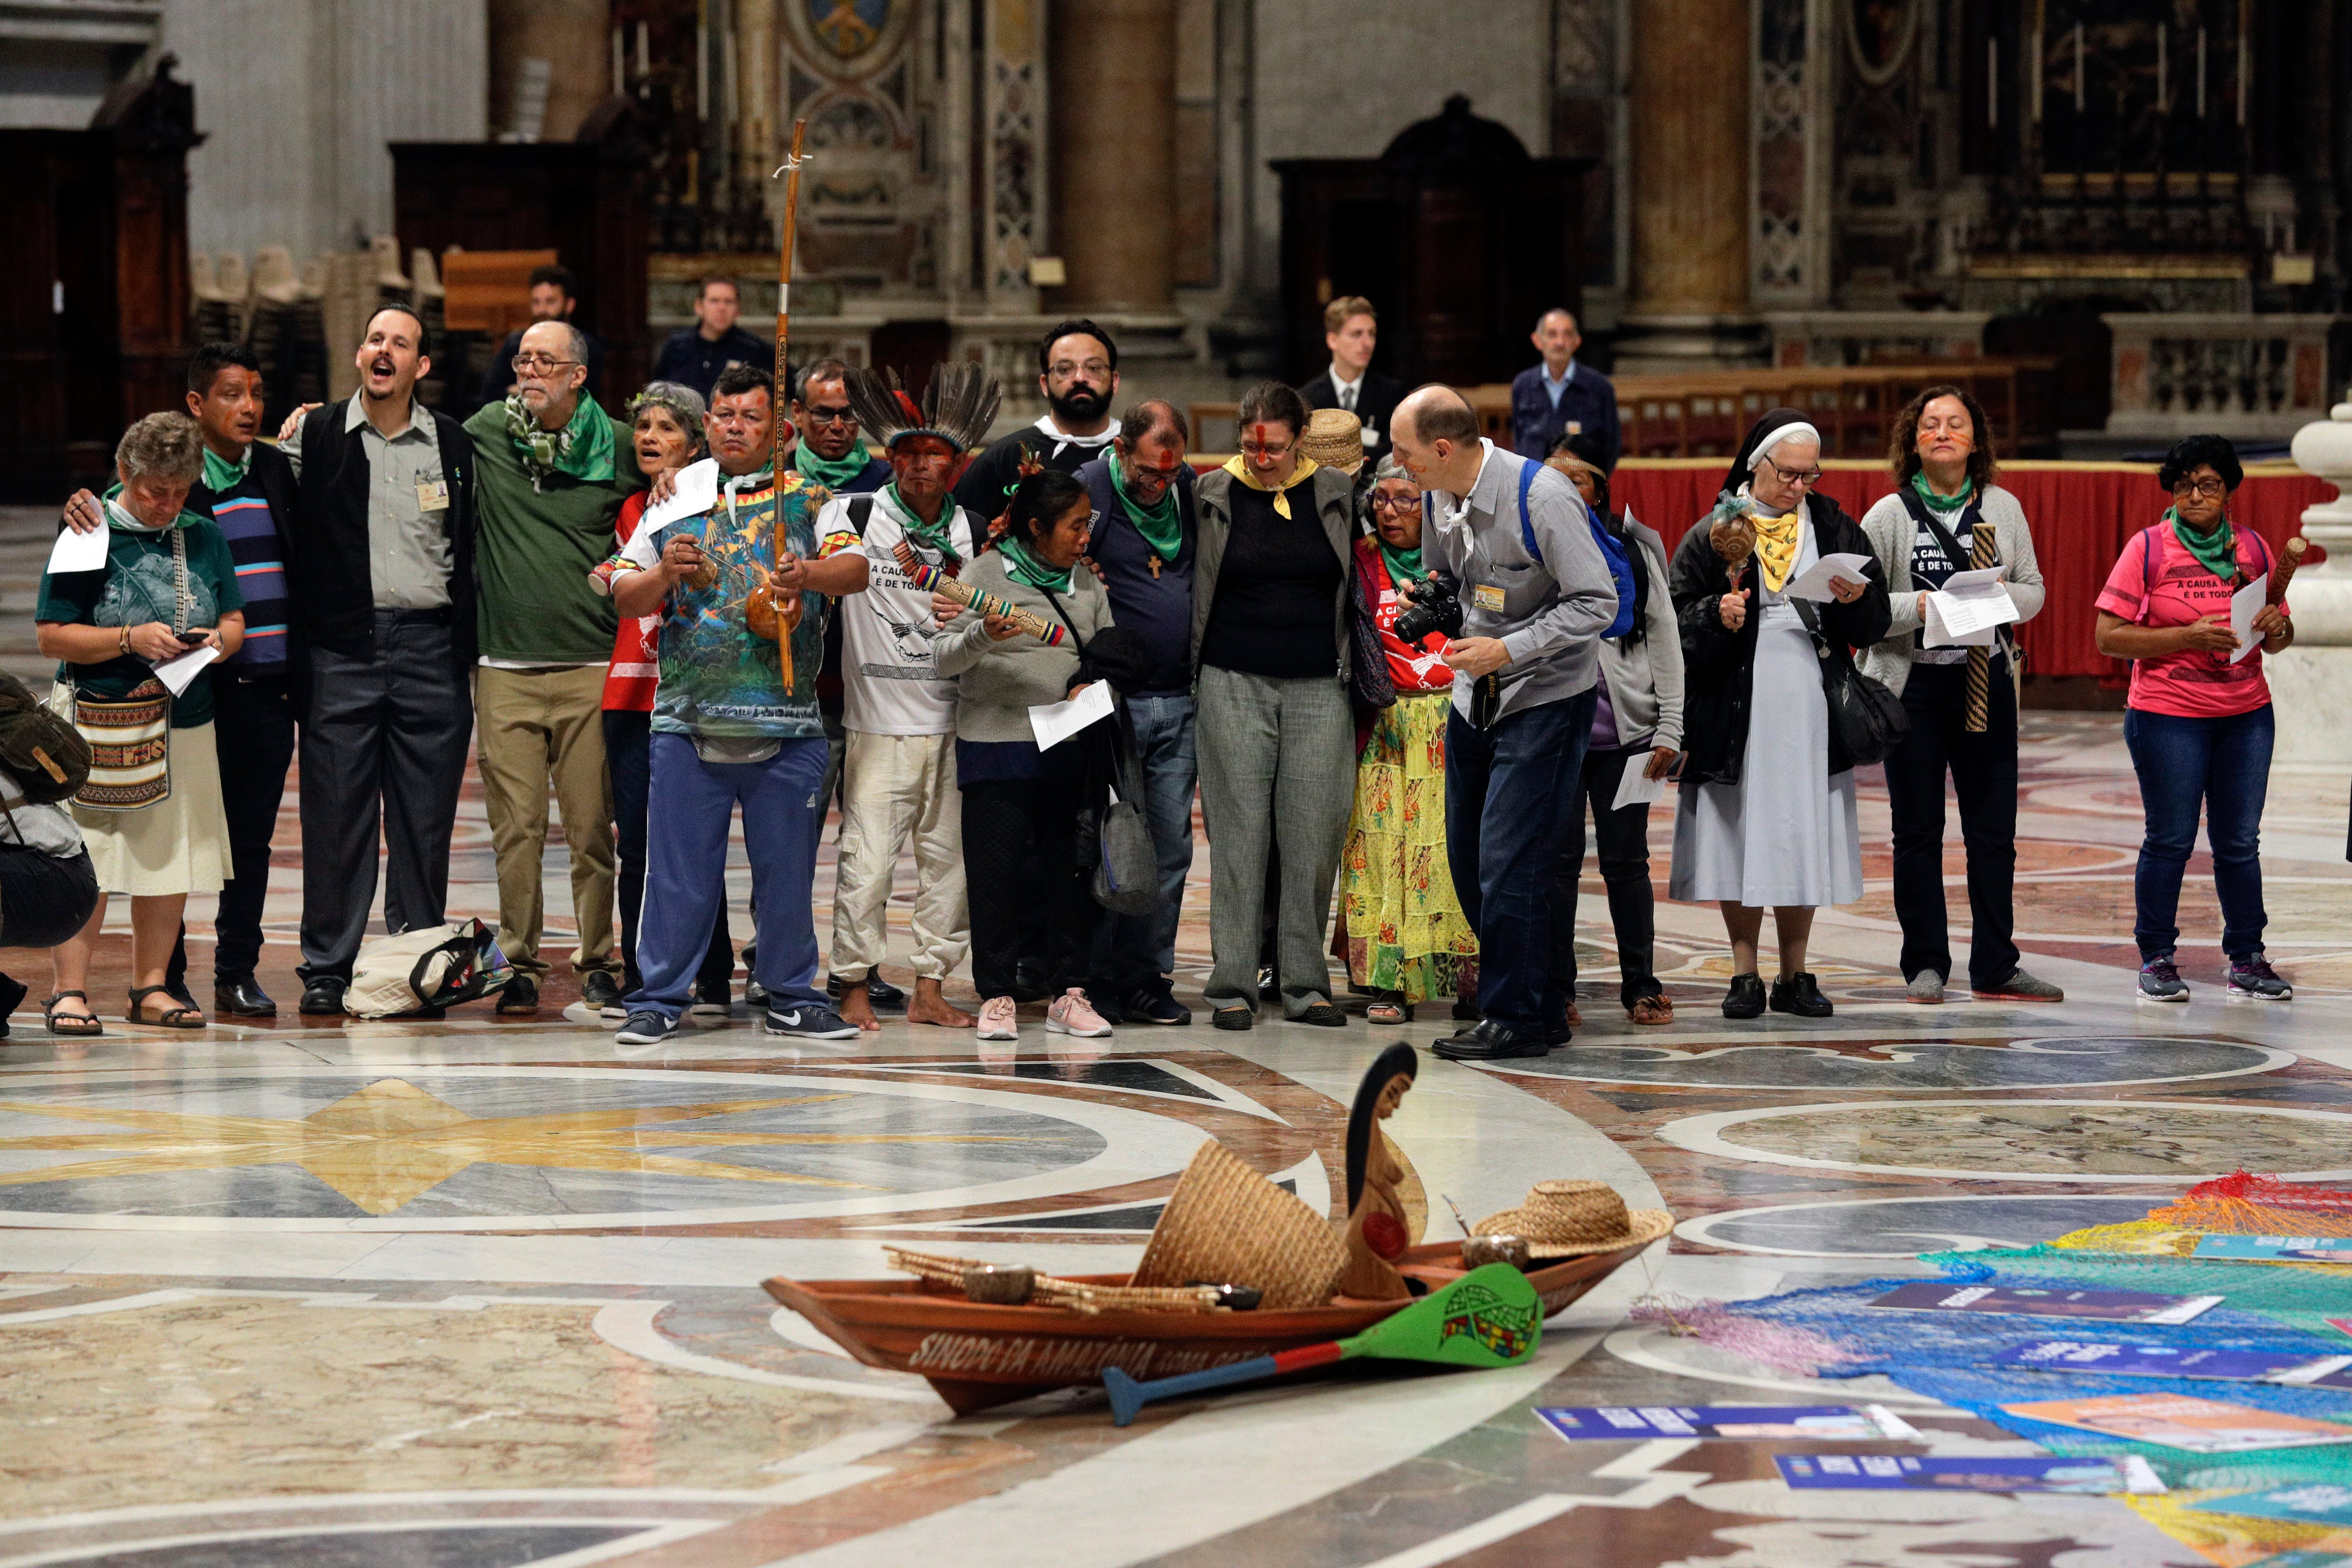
(1277, 762)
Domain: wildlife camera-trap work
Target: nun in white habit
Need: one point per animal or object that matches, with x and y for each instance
(1767, 814)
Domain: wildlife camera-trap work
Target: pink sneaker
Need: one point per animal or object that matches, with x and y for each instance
(997, 1020)
(1070, 1014)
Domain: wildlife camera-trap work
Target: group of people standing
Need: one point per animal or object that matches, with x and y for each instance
(1398, 661)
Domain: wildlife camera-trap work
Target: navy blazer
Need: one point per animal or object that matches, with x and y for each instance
(1588, 406)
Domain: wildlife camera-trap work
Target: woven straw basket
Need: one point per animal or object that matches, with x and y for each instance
(1226, 1223)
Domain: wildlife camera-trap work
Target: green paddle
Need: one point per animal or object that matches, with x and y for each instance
(1490, 1317)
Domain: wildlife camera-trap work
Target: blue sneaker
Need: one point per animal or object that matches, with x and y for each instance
(645, 1029)
(808, 1021)
(2253, 976)
(2160, 982)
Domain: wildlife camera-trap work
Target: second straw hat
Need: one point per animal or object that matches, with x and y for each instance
(1334, 438)
(1572, 1219)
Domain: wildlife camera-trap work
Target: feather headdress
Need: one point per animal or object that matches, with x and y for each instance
(958, 407)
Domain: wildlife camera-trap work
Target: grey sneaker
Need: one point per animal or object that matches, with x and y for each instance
(1926, 986)
(646, 1027)
(2253, 976)
(2160, 982)
(2019, 988)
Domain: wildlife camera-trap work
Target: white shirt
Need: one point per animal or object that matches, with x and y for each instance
(1064, 438)
(890, 684)
(1452, 510)
(1349, 391)
(1552, 389)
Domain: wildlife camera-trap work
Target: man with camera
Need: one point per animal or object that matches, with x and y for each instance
(1523, 592)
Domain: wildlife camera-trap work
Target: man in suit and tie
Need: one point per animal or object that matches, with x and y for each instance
(1560, 397)
(1350, 330)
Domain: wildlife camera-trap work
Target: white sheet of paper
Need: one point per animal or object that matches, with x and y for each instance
(1632, 789)
(1813, 582)
(1969, 605)
(697, 492)
(77, 551)
(1941, 633)
(2244, 606)
(1054, 722)
(175, 673)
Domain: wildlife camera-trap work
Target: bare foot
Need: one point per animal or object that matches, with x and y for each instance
(929, 1006)
(856, 1008)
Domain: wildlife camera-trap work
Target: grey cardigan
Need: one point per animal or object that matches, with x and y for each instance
(998, 683)
(1335, 503)
(1645, 678)
(1890, 530)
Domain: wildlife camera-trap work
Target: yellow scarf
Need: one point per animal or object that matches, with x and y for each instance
(1239, 469)
(1776, 539)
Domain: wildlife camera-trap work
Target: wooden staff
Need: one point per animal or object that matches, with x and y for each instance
(771, 600)
(2283, 572)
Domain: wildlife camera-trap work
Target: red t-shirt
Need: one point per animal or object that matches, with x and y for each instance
(1421, 669)
(629, 683)
(2191, 684)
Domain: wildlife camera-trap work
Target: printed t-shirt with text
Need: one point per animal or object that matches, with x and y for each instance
(890, 685)
(2191, 684)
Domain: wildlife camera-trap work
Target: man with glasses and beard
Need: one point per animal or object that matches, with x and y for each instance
(1077, 369)
(554, 470)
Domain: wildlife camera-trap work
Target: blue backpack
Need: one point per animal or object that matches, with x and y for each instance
(1612, 551)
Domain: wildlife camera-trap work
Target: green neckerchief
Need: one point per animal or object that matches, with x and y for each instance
(940, 535)
(1944, 506)
(2217, 551)
(221, 476)
(119, 519)
(1023, 567)
(1404, 565)
(830, 472)
(1163, 526)
(582, 448)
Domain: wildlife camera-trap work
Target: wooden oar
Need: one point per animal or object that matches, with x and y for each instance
(1490, 1317)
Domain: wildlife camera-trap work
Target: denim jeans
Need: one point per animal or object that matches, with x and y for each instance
(1508, 792)
(1144, 946)
(2224, 764)
(686, 866)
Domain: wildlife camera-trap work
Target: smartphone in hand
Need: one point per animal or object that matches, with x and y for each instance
(193, 640)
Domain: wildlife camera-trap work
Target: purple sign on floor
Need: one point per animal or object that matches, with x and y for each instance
(1904, 1472)
(2109, 1306)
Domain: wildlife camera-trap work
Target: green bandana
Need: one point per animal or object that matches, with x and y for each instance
(940, 535)
(1943, 505)
(1023, 567)
(1163, 526)
(2216, 552)
(118, 518)
(830, 472)
(582, 448)
(221, 476)
(1404, 565)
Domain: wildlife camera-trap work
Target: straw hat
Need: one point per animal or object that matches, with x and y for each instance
(1572, 1219)
(1334, 438)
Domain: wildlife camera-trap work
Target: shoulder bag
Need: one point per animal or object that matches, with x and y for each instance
(1866, 720)
(1125, 861)
(130, 736)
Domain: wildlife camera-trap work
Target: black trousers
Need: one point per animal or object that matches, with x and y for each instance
(1624, 843)
(628, 755)
(253, 729)
(384, 747)
(1005, 826)
(1983, 769)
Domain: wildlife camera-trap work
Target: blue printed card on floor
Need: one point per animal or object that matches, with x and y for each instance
(1903, 1472)
(2316, 1502)
(1641, 1423)
(2277, 1248)
(2033, 1302)
(2109, 1359)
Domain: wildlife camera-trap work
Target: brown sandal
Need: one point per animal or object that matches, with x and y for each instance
(76, 1023)
(1652, 1010)
(176, 1017)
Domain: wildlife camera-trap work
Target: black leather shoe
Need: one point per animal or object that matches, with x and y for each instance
(519, 995)
(1746, 997)
(1490, 1041)
(1800, 994)
(1556, 1035)
(324, 996)
(242, 995)
(601, 989)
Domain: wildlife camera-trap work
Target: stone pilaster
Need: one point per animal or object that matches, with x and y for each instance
(1114, 153)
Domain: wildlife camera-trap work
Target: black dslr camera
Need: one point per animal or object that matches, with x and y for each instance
(1436, 608)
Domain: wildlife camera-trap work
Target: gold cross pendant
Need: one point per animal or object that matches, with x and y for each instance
(1155, 568)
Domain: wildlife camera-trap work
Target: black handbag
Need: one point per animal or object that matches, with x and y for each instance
(1370, 683)
(1867, 720)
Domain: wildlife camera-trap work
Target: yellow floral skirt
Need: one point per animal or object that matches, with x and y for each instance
(1406, 931)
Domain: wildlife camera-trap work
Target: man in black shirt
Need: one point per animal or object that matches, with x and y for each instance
(693, 356)
(1077, 369)
(554, 296)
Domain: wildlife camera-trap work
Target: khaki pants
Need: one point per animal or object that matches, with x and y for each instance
(895, 786)
(534, 727)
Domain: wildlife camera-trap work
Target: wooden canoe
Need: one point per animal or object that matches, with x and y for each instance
(975, 1355)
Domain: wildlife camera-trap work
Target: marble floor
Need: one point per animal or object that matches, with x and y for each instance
(484, 1292)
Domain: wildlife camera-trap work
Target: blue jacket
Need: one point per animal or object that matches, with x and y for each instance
(1158, 607)
(1588, 404)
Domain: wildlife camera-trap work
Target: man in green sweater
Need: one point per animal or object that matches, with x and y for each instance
(552, 469)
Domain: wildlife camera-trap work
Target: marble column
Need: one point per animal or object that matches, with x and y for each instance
(1689, 306)
(1113, 160)
(574, 37)
(759, 107)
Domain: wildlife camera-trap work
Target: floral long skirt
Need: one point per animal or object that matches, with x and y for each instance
(1406, 931)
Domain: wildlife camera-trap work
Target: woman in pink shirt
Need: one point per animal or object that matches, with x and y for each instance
(2199, 719)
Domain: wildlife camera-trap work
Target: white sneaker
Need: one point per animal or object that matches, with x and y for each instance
(997, 1020)
(1072, 1013)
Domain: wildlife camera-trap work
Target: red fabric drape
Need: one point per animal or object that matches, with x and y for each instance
(2082, 514)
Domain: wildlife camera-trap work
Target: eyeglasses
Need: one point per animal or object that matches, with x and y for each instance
(1268, 454)
(830, 417)
(1808, 476)
(2208, 490)
(1395, 503)
(540, 365)
(1096, 369)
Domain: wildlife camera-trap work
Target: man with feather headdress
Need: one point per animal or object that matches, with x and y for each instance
(899, 774)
